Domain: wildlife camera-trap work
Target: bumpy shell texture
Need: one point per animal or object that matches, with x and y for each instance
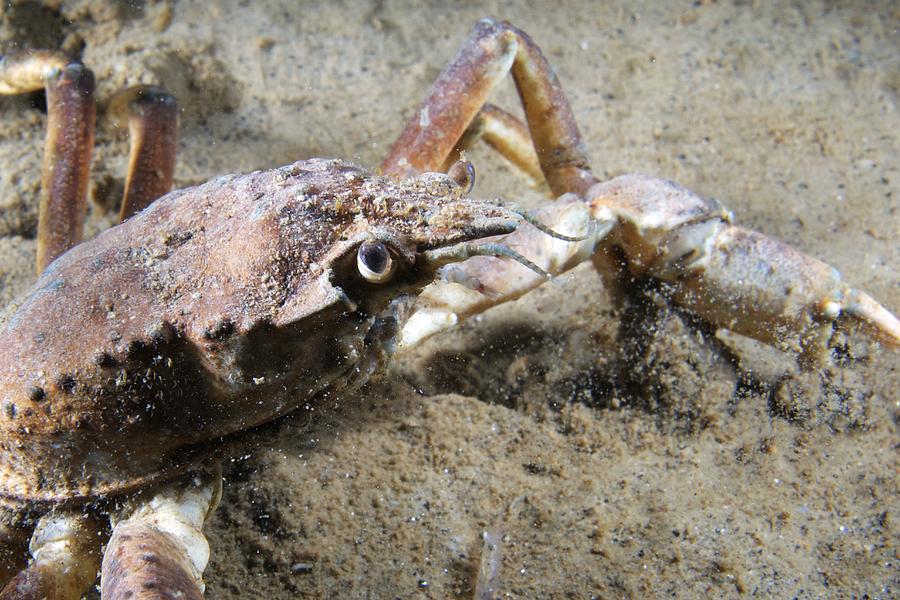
(214, 311)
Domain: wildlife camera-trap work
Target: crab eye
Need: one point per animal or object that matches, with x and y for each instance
(374, 262)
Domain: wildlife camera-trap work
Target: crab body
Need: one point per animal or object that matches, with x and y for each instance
(222, 307)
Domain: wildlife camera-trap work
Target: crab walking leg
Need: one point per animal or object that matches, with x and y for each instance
(505, 134)
(732, 277)
(65, 549)
(455, 98)
(460, 92)
(69, 144)
(159, 551)
(152, 116)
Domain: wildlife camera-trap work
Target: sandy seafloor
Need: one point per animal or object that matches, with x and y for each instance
(642, 461)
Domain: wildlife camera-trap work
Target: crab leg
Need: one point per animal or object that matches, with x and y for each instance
(493, 50)
(152, 123)
(65, 550)
(471, 287)
(159, 551)
(13, 549)
(69, 144)
(505, 134)
(152, 115)
(730, 276)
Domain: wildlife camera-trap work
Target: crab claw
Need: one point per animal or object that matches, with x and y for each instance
(733, 277)
(471, 287)
(640, 226)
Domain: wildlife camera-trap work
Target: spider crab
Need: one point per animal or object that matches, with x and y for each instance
(227, 306)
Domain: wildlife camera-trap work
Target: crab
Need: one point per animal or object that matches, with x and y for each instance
(226, 307)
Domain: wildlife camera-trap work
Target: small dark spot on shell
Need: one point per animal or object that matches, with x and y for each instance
(9, 409)
(150, 558)
(218, 330)
(177, 238)
(36, 393)
(302, 568)
(134, 346)
(159, 333)
(39, 337)
(66, 383)
(149, 585)
(103, 359)
(114, 336)
(128, 594)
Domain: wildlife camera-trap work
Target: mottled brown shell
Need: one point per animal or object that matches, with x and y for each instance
(213, 311)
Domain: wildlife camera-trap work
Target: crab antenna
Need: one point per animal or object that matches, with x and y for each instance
(532, 220)
(460, 252)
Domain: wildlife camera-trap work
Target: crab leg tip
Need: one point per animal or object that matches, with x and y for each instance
(870, 317)
(67, 158)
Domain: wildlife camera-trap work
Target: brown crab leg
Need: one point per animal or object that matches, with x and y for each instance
(460, 92)
(69, 144)
(65, 550)
(152, 115)
(159, 551)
